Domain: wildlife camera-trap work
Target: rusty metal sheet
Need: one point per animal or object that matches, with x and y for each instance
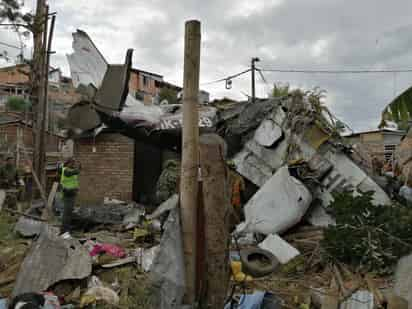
(52, 259)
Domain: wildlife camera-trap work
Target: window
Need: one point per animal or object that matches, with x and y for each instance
(145, 81)
(389, 151)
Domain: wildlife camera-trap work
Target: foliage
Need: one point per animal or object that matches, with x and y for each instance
(17, 104)
(168, 94)
(367, 236)
(280, 90)
(10, 10)
(399, 110)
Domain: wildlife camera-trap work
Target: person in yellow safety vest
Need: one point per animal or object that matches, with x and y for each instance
(69, 181)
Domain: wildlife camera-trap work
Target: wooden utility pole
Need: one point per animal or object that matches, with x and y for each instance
(216, 209)
(41, 172)
(37, 81)
(190, 154)
(253, 68)
(44, 102)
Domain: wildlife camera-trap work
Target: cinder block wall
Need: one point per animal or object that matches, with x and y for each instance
(107, 172)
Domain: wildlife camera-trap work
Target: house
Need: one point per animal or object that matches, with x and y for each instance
(148, 88)
(117, 166)
(144, 85)
(14, 81)
(381, 143)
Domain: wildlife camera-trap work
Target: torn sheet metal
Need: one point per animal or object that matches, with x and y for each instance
(167, 272)
(278, 205)
(28, 227)
(273, 157)
(403, 279)
(252, 168)
(112, 93)
(52, 259)
(279, 248)
(87, 64)
(359, 300)
(168, 205)
(268, 133)
(346, 175)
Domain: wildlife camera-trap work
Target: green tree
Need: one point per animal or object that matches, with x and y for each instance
(168, 94)
(280, 90)
(17, 104)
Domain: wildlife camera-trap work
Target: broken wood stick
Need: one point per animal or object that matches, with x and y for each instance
(48, 211)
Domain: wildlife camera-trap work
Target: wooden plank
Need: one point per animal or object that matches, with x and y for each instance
(216, 212)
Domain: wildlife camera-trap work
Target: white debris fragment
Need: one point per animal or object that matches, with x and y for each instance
(278, 205)
(279, 248)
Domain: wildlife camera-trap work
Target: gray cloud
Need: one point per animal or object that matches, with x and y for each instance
(305, 34)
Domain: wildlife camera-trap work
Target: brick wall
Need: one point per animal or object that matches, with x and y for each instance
(13, 75)
(8, 133)
(107, 172)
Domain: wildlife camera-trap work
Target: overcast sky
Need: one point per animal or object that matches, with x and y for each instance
(284, 34)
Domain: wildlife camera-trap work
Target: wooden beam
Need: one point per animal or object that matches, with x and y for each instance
(190, 154)
(216, 212)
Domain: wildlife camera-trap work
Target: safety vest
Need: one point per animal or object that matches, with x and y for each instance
(69, 182)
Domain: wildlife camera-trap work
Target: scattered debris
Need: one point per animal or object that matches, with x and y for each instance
(50, 260)
(277, 206)
(28, 227)
(279, 248)
(359, 300)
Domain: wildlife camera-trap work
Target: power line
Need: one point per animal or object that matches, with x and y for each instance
(334, 71)
(9, 45)
(226, 78)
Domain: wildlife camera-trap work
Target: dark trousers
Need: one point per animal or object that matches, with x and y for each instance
(69, 199)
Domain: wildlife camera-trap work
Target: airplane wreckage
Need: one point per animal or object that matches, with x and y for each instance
(262, 137)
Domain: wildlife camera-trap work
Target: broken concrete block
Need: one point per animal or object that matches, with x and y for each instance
(279, 248)
(28, 227)
(52, 259)
(403, 279)
(278, 205)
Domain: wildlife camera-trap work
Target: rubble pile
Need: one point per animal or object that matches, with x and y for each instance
(310, 225)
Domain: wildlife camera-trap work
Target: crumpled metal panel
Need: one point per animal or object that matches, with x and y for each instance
(167, 270)
(83, 116)
(52, 259)
(87, 64)
(28, 227)
(252, 168)
(268, 133)
(113, 92)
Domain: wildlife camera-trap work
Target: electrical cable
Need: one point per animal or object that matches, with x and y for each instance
(9, 45)
(334, 71)
(226, 78)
